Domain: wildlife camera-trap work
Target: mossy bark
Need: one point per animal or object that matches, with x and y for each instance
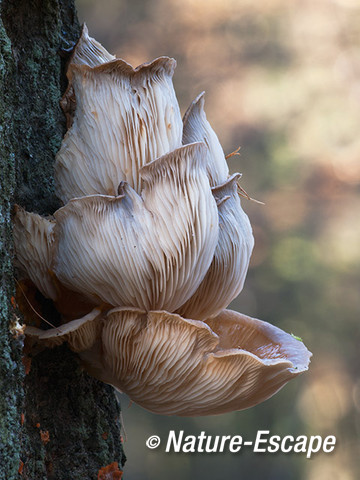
(56, 422)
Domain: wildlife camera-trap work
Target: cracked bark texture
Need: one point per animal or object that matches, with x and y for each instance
(56, 422)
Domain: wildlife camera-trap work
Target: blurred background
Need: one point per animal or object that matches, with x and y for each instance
(282, 80)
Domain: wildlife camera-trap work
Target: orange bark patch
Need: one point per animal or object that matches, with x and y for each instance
(45, 436)
(13, 302)
(110, 472)
(27, 364)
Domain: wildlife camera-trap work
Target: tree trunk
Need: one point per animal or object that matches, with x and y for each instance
(56, 422)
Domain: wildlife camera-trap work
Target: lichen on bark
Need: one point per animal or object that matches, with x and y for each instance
(56, 422)
(10, 349)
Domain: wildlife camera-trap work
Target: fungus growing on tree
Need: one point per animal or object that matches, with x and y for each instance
(150, 247)
(176, 366)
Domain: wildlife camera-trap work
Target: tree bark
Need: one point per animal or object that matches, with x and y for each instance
(56, 422)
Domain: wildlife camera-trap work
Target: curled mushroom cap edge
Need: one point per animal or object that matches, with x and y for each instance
(175, 366)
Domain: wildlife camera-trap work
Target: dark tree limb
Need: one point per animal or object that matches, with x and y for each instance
(56, 422)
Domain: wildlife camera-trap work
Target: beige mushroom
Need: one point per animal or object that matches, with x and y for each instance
(150, 227)
(149, 252)
(176, 366)
(225, 278)
(198, 129)
(89, 52)
(124, 119)
(80, 334)
(86, 52)
(34, 242)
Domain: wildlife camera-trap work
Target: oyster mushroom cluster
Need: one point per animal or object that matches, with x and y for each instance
(150, 247)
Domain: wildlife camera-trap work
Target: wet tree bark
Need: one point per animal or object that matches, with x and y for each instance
(56, 422)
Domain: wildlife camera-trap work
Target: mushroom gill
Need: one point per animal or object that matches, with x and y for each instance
(124, 119)
(80, 334)
(149, 252)
(86, 52)
(198, 129)
(34, 242)
(176, 366)
(225, 277)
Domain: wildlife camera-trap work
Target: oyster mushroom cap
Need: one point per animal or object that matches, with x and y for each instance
(124, 119)
(176, 366)
(89, 52)
(149, 252)
(198, 129)
(80, 334)
(226, 275)
(34, 242)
